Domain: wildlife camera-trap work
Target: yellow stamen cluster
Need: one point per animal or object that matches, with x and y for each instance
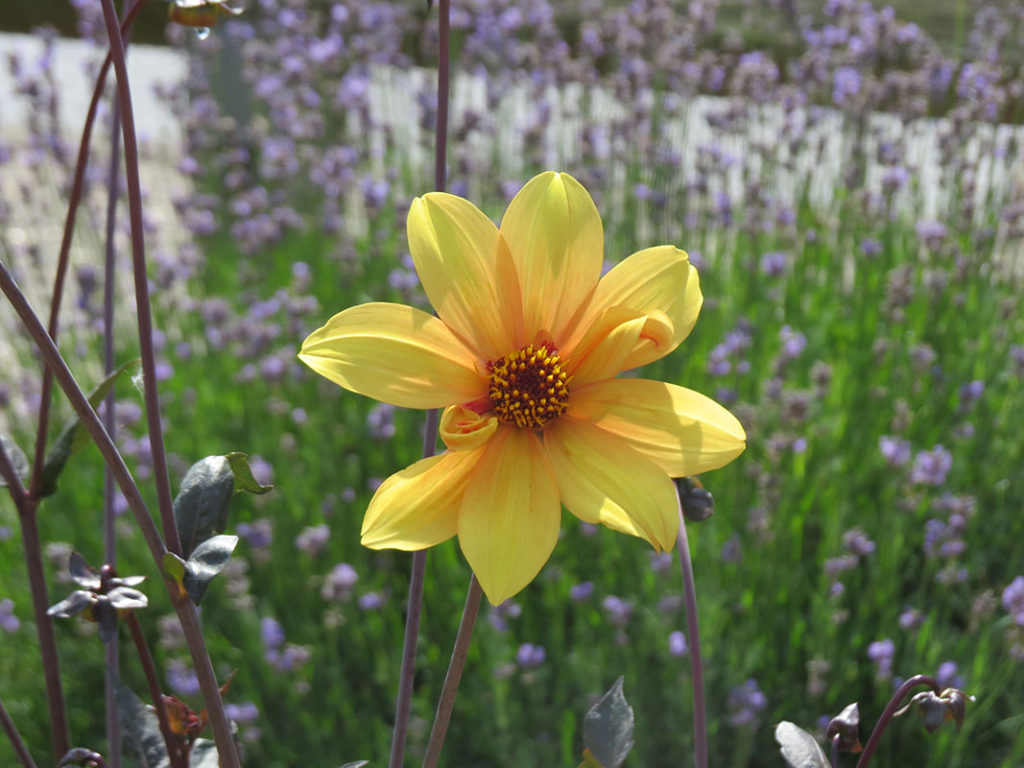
(528, 387)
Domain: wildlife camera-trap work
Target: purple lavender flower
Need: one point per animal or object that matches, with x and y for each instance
(9, 623)
(931, 467)
(1013, 600)
(181, 679)
(259, 534)
(895, 451)
(677, 644)
(271, 633)
(243, 713)
(313, 539)
(946, 676)
(773, 263)
(530, 655)
(619, 611)
(371, 601)
(380, 422)
(746, 703)
(582, 591)
(793, 342)
(339, 582)
(881, 653)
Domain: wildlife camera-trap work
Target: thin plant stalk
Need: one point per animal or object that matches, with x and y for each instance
(15, 738)
(154, 425)
(175, 756)
(111, 661)
(451, 680)
(700, 722)
(64, 255)
(414, 610)
(28, 523)
(890, 710)
(183, 606)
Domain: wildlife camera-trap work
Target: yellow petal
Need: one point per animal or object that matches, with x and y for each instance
(605, 348)
(557, 241)
(603, 480)
(510, 514)
(463, 429)
(396, 354)
(419, 506)
(655, 279)
(682, 431)
(466, 271)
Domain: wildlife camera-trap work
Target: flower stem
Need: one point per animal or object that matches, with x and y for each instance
(414, 610)
(700, 725)
(26, 507)
(182, 605)
(143, 310)
(64, 256)
(890, 709)
(15, 738)
(443, 88)
(111, 660)
(451, 680)
(835, 751)
(174, 754)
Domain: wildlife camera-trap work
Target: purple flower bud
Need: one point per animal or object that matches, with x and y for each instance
(580, 592)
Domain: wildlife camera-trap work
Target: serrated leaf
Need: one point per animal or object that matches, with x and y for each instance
(18, 460)
(201, 507)
(208, 559)
(244, 480)
(141, 730)
(608, 728)
(72, 438)
(798, 747)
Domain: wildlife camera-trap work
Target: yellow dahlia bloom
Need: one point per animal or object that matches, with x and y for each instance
(523, 356)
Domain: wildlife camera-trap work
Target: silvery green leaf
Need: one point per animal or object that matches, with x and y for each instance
(608, 728)
(798, 747)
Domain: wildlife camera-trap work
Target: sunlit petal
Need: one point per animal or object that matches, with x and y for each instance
(609, 342)
(556, 238)
(419, 506)
(682, 431)
(396, 354)
(510, 514)
(603, 480)
(655, 279)
(463, 429)
(466, 271)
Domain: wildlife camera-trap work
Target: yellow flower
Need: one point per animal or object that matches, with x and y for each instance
(523, 355)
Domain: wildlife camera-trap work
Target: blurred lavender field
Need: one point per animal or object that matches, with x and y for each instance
(853, 196)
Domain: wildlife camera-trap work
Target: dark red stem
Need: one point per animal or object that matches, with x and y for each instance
(890, 709)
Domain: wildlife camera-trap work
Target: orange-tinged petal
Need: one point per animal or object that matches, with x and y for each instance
(602, 480)
(556, 238)
(466, 271)
(605, 348)
(682, 431)
(419, 506)
(655, 279)
(396, 354)
(463, 429)
(510, 514)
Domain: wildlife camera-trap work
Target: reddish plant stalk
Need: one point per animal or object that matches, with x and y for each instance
(177, 757)
(451, 680)
(16, 741)
(700, 723)
(889, 711)
(414, 610)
